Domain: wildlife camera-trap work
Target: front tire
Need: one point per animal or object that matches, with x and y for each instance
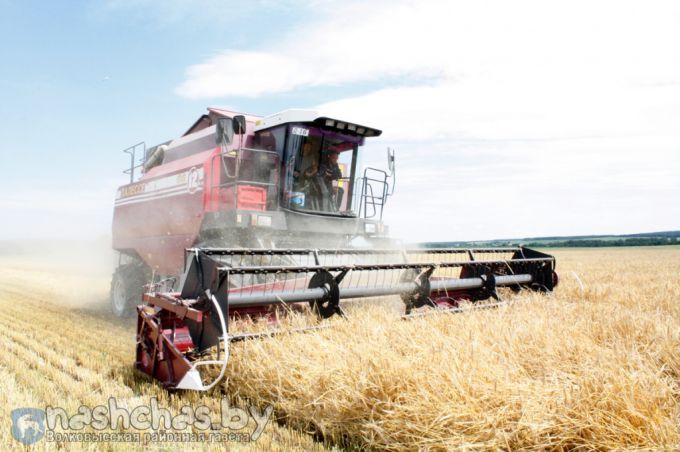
(127, 288)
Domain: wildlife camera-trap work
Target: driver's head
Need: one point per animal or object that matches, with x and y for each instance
(333, 156)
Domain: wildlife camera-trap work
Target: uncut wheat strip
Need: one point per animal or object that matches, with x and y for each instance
(559, 428)
(312, 403)
(651, 366)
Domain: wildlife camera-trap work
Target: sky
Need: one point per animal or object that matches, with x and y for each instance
(509, 119)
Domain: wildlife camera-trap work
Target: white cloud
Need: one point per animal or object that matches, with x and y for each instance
(541, 44)
(492, 70)
(512, 118)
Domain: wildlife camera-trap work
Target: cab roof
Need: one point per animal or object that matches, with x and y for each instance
(284, 117)
(312, 116)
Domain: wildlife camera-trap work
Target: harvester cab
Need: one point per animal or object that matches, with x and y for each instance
(320, 161)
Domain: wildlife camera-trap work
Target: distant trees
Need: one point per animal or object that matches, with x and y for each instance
(646, 239)
(592, 243)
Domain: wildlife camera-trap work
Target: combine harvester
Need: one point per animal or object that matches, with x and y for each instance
(249, 217)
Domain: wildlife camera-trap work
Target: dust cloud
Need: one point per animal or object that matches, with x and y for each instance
(75, 274)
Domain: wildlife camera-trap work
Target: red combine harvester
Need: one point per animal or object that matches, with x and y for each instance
(243, 181)
(242, 215)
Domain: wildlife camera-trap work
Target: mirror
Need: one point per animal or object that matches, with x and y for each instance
(393, 175)
(224, 131)
(239, 124)
(390, 159)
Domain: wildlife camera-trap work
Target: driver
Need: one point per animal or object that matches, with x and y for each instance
(330, 172)
(308, 167)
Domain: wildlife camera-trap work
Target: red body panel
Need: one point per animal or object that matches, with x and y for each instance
(161, 214)
(246, 197)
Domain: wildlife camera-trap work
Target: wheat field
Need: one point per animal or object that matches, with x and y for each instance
(593, 366)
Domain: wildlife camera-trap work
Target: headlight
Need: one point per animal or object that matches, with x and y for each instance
(369, 228)
(264, 220)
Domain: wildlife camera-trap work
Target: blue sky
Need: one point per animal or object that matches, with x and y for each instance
(535, 118)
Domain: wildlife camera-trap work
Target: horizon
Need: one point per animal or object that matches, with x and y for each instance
(108, 238)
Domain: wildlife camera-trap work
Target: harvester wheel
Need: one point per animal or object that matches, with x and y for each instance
(127, 287)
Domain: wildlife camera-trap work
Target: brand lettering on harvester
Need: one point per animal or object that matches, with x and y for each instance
(131, 190)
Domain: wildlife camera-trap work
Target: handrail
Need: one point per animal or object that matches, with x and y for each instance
(132, 151)
(367, 193)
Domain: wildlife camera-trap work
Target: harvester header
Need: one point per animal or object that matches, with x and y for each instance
(220, 285)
